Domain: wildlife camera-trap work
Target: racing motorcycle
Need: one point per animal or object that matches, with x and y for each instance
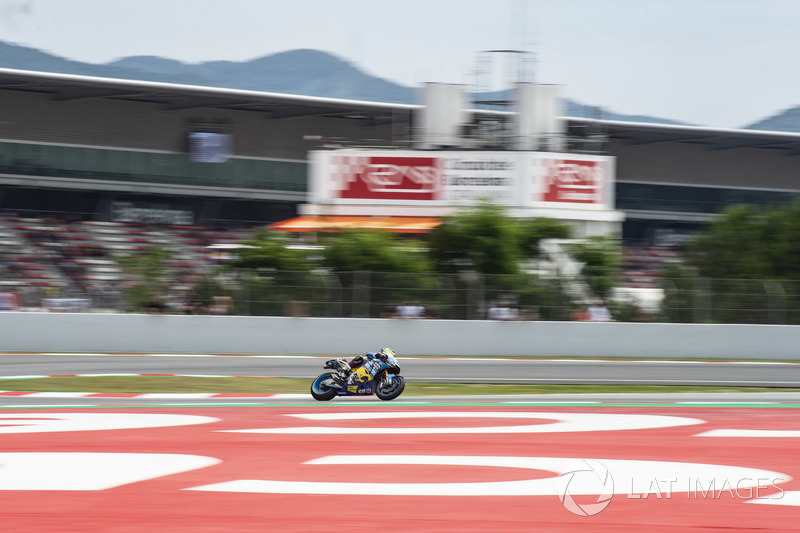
(378, 375)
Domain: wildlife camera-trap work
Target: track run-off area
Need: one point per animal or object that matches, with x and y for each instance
(412, 466)
(105, 462)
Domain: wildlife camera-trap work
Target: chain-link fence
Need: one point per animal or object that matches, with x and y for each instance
(464, 296)
(731, 301)
(472, 296)
(361, 294)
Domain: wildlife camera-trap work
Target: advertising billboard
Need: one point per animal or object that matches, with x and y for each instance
(450, 178)
(385, 178)
(572, 180)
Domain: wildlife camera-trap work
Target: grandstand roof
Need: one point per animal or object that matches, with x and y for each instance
(175, 96)
(636, 133)
(278, 105)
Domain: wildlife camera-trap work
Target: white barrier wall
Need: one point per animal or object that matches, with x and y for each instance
(111, 333)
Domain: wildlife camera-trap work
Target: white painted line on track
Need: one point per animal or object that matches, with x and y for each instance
(176, 355)
(704, 401)
(128, 375)
(754, 433)
(56, 395)
(611, 380)
(98, 375)
(476, 359)
(762, 363)
(293, 356)
(788, 497)
(207, 376)
(76, 353)
(559, 402)
(52, 406)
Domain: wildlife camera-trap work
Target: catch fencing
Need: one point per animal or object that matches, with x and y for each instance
(471, 296)
(464, 296)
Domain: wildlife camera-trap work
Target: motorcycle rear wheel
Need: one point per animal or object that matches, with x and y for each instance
(391, 391)
(320, 391)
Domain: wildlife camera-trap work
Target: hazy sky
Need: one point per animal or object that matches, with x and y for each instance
(721, 63)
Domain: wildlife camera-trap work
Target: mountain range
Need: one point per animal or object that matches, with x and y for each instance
(301, 72)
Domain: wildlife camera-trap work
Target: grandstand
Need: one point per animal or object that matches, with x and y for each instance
(93, 167)
(45, 257)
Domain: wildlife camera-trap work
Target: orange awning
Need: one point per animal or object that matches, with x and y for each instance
(340, 222)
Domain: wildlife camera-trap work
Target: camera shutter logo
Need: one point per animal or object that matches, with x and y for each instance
(588, 477)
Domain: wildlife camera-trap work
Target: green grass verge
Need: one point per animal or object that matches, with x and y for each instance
(184, 384)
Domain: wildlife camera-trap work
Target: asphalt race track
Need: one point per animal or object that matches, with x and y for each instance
(594, 463)
(457, 370)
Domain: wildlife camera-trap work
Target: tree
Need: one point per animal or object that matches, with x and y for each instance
(482, 239)
(533, 231)
(270, 250)
(745, 265)
(150, 271)
(600, 256)
(373, 251)
(378, 270)
(270, 276)
(750, 243)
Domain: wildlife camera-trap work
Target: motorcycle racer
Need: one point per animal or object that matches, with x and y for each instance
(347, 371)
(372, 373)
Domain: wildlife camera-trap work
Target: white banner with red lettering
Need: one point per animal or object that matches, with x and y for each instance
(573, 180)
(524, 179)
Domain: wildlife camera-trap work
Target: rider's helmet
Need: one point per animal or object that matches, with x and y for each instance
(386, 352)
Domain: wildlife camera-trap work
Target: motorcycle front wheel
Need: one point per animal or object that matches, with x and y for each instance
(389, 391)
(320, 390)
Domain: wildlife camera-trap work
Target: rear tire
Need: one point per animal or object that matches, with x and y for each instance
(391, 392)
(322, 392)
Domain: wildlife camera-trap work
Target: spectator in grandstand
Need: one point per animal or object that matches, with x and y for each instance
(406, 310)
(296, 308)
(221, 305)
(580, 314)
(196, 307)
(9, 301)
(503, 313)
(598, 312)
(156, 307)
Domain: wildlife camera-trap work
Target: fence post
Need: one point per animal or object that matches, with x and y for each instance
(473, 286)
(702, 301)
(246, 283)
(333, 302)
(361, 292)
(776, 301)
